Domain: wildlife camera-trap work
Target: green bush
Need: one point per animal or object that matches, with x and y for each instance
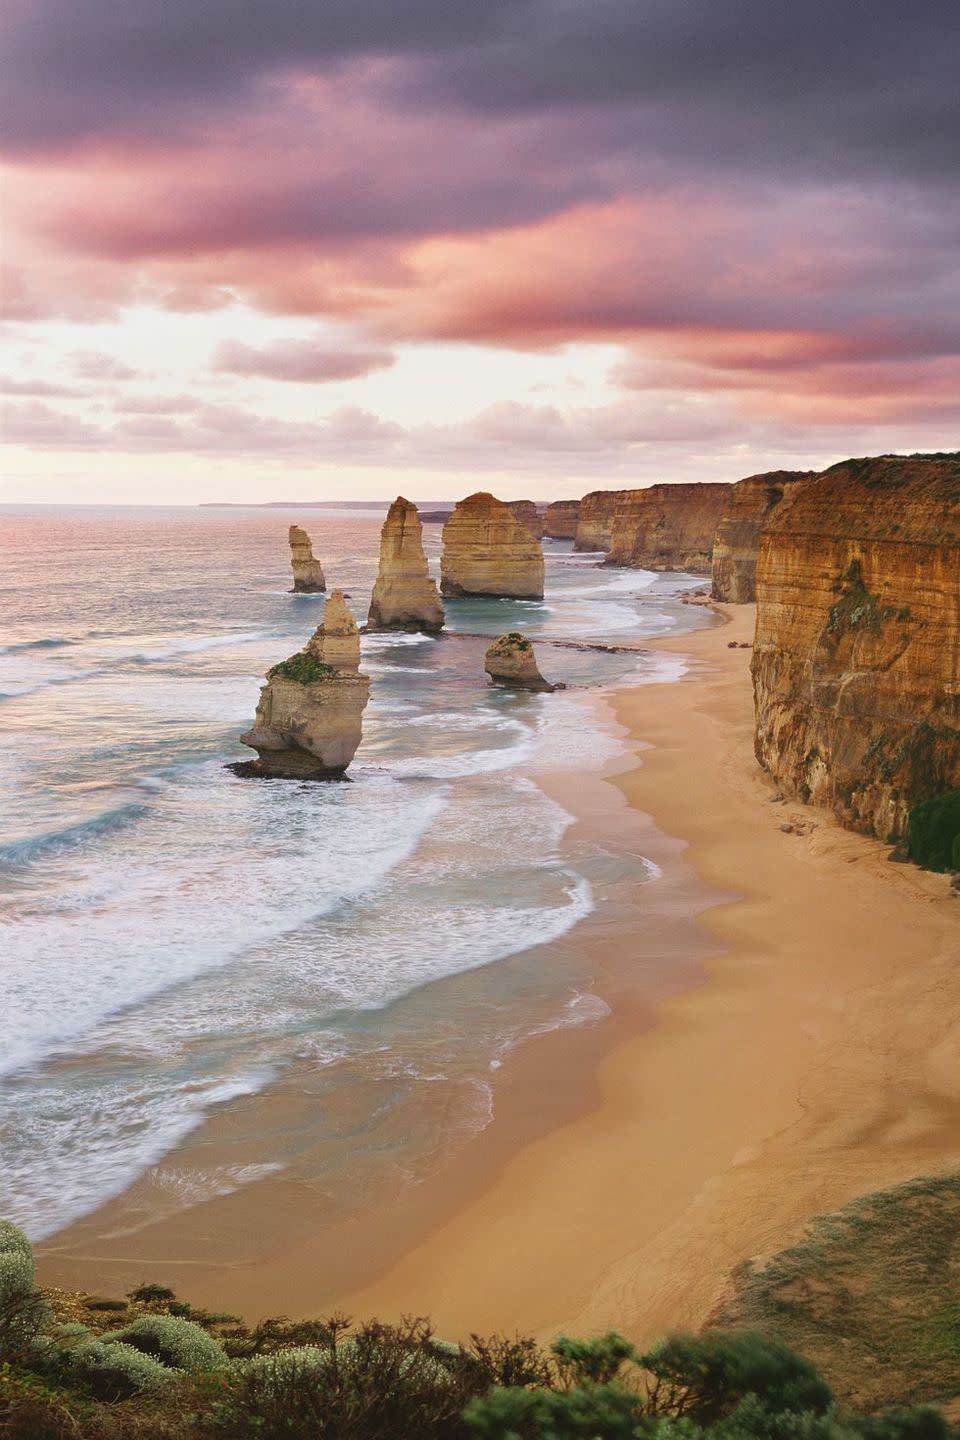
(304, 668)
(23, 1309)
(177, 1343)
(116, 1371)
(935, 832)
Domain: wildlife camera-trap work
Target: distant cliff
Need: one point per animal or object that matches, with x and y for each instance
(560, 519)
(528, 515)
(856, 665)
(668, 527)
(595, 518)
(752, 503)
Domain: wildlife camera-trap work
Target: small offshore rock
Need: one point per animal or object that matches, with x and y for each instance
(308, 577)
(511, 661)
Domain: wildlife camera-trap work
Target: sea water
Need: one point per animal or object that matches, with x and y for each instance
(175, 938)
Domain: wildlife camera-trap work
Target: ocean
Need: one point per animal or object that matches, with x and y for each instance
(176, 939)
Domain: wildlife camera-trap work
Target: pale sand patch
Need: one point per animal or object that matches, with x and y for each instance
(819, 1059)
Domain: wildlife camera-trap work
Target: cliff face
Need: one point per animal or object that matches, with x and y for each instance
(560, 519)
(307, 570)
(752, 502)
(595, 518)
(668, 527)
(511, 661)
(309, 719)
(856, 664)
(528, 515)
(404, 596)
(486, 551)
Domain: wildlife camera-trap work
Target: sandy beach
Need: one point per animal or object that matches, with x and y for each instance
(802, 1051)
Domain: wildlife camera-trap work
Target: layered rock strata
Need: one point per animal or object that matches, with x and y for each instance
(595, 518)
(560, 519)
(308, 576)
(309, 719)
(856, 663)
(486, 551)
(668, 527)
(528, 515)
(511, 661)
(752, 502)
(404, 595)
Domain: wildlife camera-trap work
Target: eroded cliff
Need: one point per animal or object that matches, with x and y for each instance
(486, 551)
(668, 527)
(308, 576)
(528, 515)
(595, 518)
(560, 519)
(856, 664)
(404, 595)
(751, 504)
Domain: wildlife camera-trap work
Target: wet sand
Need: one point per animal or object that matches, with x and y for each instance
(795, 1045)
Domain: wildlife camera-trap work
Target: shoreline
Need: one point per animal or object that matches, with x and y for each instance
(629, 1165)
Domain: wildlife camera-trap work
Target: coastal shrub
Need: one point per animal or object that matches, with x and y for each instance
(706, 1376)
(513, 640)
(934, 828)
(116, 1371)
(177, 1343)
(304, 668)
(23, 1309)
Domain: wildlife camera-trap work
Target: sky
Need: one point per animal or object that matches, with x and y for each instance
(284, 249)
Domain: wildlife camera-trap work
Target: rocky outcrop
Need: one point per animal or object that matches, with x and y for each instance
(404, 595)
(752, 502)
(511, 661)
(856, 663)
(560, 519)
(528, 515)
(668, 527)
(309, 719)
(307, 570)
(595, 518)
(486, 551)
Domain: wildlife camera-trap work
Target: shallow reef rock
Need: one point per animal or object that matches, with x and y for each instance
(404, 595)
(595, 518)
(752, 503)
(486, 551)
(668, 527)
(308, 576)
(309, 719)
(511, 661)
(856, 662)
(528, 515)
(560, 519)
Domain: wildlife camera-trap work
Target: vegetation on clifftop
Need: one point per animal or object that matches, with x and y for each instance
(303, 667)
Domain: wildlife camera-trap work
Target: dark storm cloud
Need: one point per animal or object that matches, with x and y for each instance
(832, 84)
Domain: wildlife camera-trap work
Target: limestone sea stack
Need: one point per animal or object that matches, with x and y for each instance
(404, 595)
(309, 719)
(511, 661)
(486, 551)
(595, 518)
(668, 527)
(308, 576)
(856, 662)
(560, 519)
(752, 503)
(528, 515)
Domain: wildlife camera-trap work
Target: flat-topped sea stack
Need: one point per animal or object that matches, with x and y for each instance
(511, 661)
(309, 719)
(560, 519)
(737, 543)
(595, 518)
(486, 551)
(856, 662)
(404, 595)
(308, 576)
(668, 527)
(528, 515)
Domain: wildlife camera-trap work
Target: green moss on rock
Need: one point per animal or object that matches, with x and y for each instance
(304, 668)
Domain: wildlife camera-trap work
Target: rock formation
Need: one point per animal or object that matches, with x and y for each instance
(560, 519)
(404, 596)
(668, 527)
(486, 551)
(595, 518)
(856, 662)
(511, 661)
(307, 570)
(752, 502)
(528, 515)
(308, 721)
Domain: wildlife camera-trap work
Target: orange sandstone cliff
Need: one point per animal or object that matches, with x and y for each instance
(486, 551)
(856, 662)
(528, 515)
(560, 519)
(752, 502)
(668, 527)
(595, 518)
